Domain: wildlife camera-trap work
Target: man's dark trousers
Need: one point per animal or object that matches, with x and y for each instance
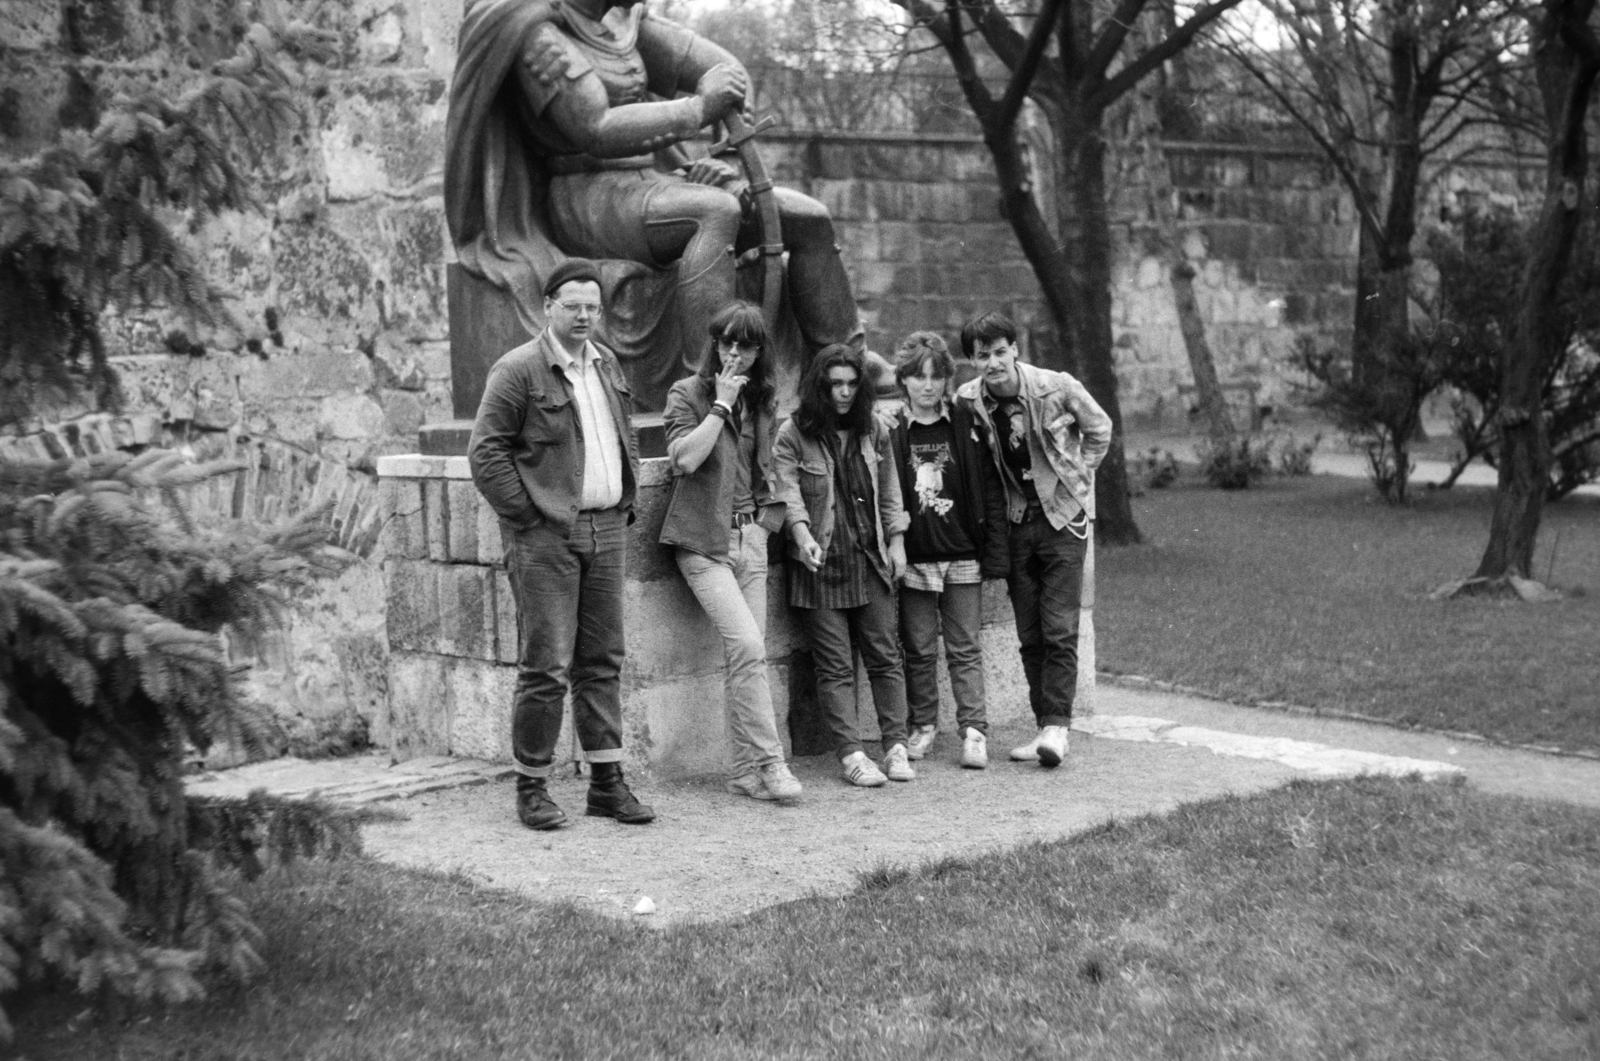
(568, 590)
(1046, 585)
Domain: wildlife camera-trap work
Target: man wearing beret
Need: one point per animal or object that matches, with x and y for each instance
(552, 453)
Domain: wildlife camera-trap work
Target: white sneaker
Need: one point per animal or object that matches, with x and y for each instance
(783, 785)
(974, 750)
(1029, 752)
(1052, 745)
(897, 766)
(921, 742)
(860, 771)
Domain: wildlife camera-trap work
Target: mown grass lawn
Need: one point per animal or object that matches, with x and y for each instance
(1368, 919)
(1310, 591)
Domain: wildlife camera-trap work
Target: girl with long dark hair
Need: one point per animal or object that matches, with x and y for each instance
(846, 522)
(720, 425)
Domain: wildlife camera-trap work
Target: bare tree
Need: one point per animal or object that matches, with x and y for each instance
(1566, 56)
(1385, 88)
(1074, 83)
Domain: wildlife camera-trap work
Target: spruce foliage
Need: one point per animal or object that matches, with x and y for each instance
(112, 600)
(88, 224)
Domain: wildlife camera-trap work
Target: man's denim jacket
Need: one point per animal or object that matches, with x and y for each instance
(527, 444)
(1068, 437)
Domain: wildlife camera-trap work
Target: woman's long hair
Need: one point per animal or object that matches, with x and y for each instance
(740, 321)
(815, 416)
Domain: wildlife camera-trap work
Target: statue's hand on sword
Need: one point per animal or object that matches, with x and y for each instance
(722, 90)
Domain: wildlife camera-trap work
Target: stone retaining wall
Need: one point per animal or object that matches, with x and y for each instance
(452, 637)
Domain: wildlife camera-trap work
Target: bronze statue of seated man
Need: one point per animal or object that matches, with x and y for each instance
(564, 125)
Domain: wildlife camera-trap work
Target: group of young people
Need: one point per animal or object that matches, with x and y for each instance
(892, 519)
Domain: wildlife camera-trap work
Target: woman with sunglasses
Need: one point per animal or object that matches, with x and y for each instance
(720, 425)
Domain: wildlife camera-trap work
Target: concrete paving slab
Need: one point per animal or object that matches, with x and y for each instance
(1318, 760)
(1489, 767)
(355, 779)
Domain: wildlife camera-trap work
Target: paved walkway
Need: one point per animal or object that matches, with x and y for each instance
(711, 856)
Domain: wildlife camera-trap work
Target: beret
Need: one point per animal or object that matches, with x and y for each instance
(568, 271)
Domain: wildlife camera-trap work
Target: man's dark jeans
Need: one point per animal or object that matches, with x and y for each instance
(872, 628)
(568, 589)
(1046, 584)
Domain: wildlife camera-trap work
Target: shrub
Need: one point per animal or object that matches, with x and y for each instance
(1238, 465)
(1156, 468)
(112, 601)
(1480, 258)
(1380, 409)
(1294, 458)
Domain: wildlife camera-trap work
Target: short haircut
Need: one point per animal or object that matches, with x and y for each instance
(568, 271)
(919, 350)
(986, 328)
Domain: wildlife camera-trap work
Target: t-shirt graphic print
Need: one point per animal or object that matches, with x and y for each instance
(935, 533)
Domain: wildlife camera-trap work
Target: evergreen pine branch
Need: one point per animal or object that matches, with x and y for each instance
(81, 223)
(112, 599)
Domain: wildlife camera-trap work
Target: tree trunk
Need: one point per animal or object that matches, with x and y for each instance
(1220, 428)
(1085, 240)
(1039, 245)
(1566, 79)
(1383, 292)
(1166, 114)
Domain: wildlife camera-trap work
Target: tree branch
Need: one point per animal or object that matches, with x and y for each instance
(1346, 172)
(1114, 31)
(1579, 35)
(978, 95)
(1175, 42)
(1022, 75)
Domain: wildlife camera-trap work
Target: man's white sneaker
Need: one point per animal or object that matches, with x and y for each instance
(921, 742)
(1029, 752)
(897, 766)
(859, 770)
(1052, 745)
(974, 750)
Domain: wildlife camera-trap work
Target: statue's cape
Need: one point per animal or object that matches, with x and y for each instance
(494, 192)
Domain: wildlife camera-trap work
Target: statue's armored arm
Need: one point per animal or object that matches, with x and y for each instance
(676, 57)
(562, 88)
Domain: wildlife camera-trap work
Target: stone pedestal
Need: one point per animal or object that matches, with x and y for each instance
(452, 630)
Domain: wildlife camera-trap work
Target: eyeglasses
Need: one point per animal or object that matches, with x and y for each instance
(575, 308)
(740, 345)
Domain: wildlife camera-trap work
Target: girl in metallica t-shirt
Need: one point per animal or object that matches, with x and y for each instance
(957, 538)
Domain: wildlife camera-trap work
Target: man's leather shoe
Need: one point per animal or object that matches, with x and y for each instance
(609, 797)
(534, 805)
